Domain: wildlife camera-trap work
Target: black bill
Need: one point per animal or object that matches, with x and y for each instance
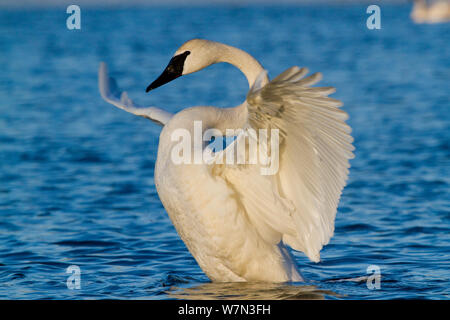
(173, 70)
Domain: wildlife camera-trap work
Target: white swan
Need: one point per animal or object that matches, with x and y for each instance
(235, 221)
(435, 12)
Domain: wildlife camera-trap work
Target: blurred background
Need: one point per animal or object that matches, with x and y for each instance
(76, 174)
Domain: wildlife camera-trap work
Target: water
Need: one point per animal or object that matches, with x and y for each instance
(76, 174)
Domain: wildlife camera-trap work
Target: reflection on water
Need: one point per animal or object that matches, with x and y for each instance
(250, 291)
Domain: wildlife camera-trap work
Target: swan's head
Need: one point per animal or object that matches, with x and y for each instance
(192, 56)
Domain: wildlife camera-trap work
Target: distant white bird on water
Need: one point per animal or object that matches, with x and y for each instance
(235, 221)
(432, 12)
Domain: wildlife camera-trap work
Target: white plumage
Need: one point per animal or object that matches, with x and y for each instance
(234, 220)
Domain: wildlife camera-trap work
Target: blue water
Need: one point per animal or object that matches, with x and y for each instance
(76, 174)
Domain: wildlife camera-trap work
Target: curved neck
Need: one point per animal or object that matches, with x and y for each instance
(236, 117)
(210, 52)
(248, 65)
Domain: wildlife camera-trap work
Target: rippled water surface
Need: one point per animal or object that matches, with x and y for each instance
(76, 174)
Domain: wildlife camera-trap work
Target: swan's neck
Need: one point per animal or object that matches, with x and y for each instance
(236, 117)
(248, 65)
(210, 52)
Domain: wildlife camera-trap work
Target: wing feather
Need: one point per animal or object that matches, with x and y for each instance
(298, 204)
(110, 93)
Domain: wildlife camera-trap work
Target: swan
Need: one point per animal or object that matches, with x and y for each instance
(436, 12)
(236, 222)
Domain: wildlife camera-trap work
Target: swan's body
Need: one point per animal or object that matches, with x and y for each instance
(234, 220)
(435, 12)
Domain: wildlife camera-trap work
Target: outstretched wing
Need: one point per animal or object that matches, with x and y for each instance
(298, 204)
(111, 94)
